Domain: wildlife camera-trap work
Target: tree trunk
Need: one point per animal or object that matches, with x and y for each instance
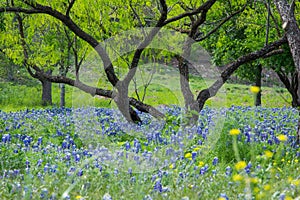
(46, 91)
(298, 106)
(258, 84)
(292, 31)
(190, 103)
(62, 101)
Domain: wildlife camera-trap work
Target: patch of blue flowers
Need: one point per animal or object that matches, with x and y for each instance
(83, 142)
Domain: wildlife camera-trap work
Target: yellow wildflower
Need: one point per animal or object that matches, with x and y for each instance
(201, 164)
(221, 198)
(256, 190)
(268, 154)
(296, 182)
(282, 138)
(188, 156)
(171, 166)
(260, 196)
(237, 177)
(196, 148)
(234, 131)
(191, 186)
(279, 169)
(288, 198)
(254, 180)
(240, 165)
(267, 187)
(78, 197)
(254, 89)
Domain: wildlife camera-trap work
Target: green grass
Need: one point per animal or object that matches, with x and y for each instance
(163, 90)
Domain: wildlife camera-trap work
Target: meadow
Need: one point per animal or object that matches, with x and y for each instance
(88, 151)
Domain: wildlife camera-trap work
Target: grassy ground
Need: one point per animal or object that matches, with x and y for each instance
(161, 91)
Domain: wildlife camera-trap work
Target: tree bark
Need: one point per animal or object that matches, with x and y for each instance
(46, 90)
(292, 32)
(62, 102)
(258, 84)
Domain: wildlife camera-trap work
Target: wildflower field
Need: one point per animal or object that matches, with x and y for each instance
(91, 153)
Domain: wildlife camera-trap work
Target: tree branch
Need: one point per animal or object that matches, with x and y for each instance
(38, 8)
(220, 24)
(70, 7)
(19, 10)
(98, 91)
(230, 68)
(194, 12)
(146, 42)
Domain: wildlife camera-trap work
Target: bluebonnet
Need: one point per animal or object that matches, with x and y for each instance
(215, 161)
(158, 186)
(223, 195)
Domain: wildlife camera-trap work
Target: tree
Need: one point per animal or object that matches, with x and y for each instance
(292, 31)
(83, 19)
(38, 72)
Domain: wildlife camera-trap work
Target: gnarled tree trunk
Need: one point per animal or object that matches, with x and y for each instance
(292, 32)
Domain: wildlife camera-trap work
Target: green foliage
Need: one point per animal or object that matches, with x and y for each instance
(246, 33)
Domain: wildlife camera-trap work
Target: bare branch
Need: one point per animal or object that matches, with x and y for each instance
(136, 14)
(20, 10)
(146, 42)
(194, 12)
(272, 53)
(71, 3)
(220, 24)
